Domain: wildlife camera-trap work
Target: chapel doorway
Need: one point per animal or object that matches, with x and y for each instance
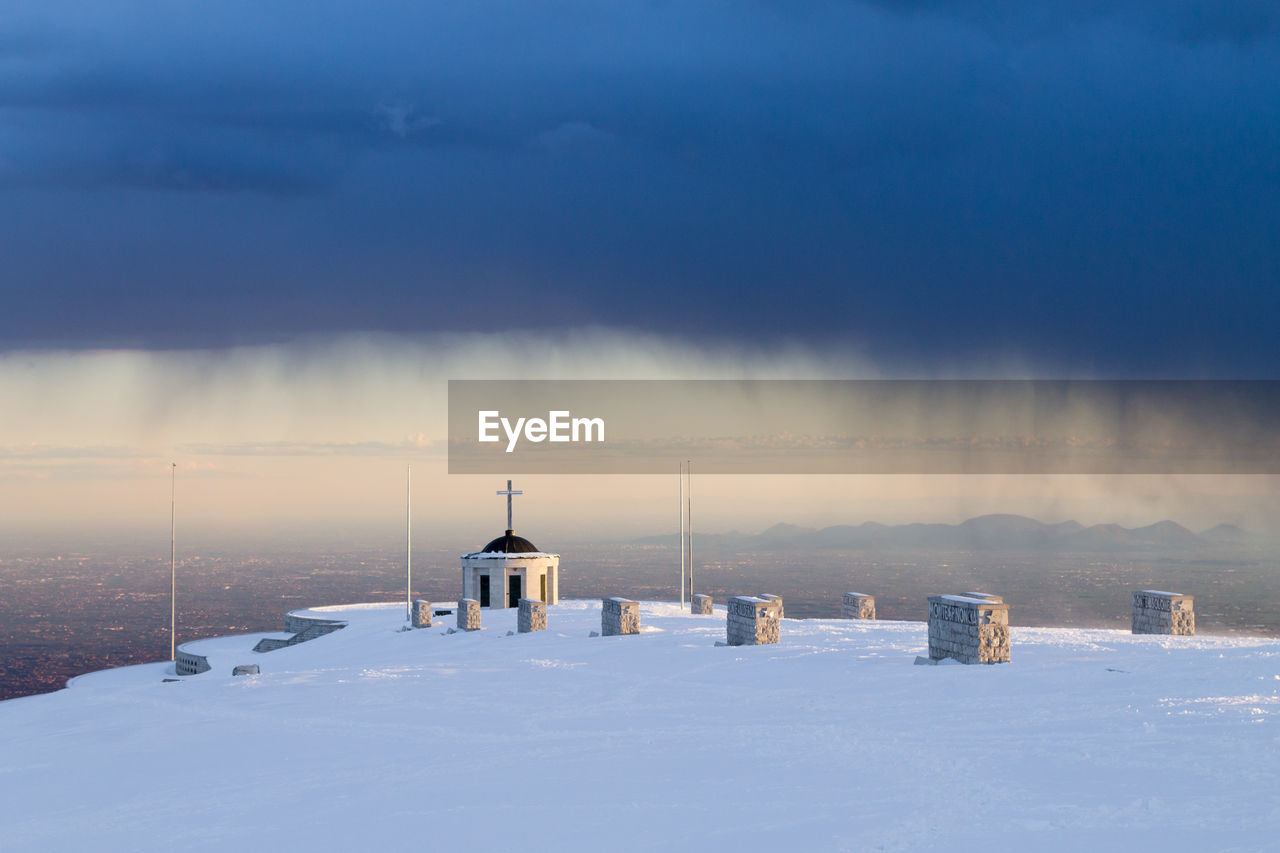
(484, 590)
(513, 591)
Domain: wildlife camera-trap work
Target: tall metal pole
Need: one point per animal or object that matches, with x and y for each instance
(408, 541)
(688, 469)
(173, 562)
(681, 479)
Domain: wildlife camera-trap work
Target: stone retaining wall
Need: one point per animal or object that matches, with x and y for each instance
(1156, 612)
(303, 628)
(971, 628)
(700, 605)
(421, 614)
(468, 614)
(318, 627)
(855, 605)
(752, 621)
(619, 616)
(532, 616)
(186, 663)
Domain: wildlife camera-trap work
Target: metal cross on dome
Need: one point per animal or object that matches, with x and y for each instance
(509, 492)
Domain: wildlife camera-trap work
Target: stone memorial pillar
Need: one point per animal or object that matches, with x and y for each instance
(421, 614)
(700, 605)
(468, 614)
(855, 605)
(970, 628)
(619, 616)
(532, 615)
(1156, 612)
(752, 621)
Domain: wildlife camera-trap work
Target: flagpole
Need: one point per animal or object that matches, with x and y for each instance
(408, 541)
(688, 470)
(680, 478)
(173, 562)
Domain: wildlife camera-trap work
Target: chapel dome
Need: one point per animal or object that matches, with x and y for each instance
(509, 543)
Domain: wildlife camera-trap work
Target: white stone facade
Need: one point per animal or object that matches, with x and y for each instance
(753, 621)
(532, 616)
(498, 580)
(421, 614)
(619, 616)
(1157, 612)
(468, 614)
(700, 605)
(970, 628)
(856, 605)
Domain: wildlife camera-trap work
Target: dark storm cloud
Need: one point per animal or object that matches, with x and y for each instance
(1189, 20)
(1082, 184)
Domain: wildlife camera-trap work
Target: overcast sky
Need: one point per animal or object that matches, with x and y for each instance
(257, 238)
(1091, 187)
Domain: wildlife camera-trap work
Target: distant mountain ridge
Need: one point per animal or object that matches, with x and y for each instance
(983, 533)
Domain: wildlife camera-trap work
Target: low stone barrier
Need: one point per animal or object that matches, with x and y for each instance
(303, 628)
(855, 605)
(313, 626)
(532, 616)
(246, 669)
(421, 614)
(700, 605)
(752, 621)
(970, 628)
(187, 663)
(619, 616)
(1156, 612)
(468, 614)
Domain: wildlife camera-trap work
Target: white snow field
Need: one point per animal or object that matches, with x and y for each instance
(374, 738)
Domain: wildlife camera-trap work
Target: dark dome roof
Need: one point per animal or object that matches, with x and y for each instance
(509, 543)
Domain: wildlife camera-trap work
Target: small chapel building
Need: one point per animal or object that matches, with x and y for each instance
(510, 568)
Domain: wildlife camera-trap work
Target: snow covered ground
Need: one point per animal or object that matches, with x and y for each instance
(378, 738)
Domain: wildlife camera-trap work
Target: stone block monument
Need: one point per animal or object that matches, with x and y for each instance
(775, 602)
(752, 621)
(468, 614)
(855, 605)
(970, 628)
(421, 614)
(619, 616)
(1156, 612)
(532, 615)
(246, 669)
(700, 605)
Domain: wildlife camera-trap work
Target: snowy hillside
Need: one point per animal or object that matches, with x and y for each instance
(373, 738)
